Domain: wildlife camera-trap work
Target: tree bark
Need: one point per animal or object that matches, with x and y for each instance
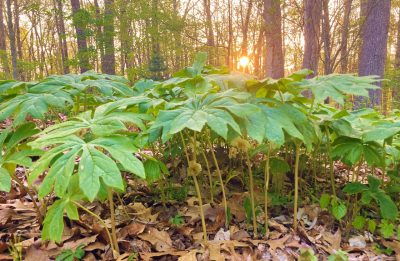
(274, 62)
(374, 42)
(344, 60)
(326, 37)
(108, 64)
(3, 43)
(397, 57)
(245, 29)
(80, 27)
(11, 34)
(62, 41)
(312, 23)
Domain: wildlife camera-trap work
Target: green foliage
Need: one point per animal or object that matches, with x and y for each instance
(69, 255)
(388, 208)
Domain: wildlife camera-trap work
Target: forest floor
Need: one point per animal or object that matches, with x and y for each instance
(149, 230)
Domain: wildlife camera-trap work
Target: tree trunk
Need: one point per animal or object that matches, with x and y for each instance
(326, 37)
(397, 57)
(17, 30)
(274, 64)
(3, 43)
(11, 34)
(245, 29)
(374, 42)
(312, 23)
(108, 64)
(344, 60)
(62, 41)
(80, 27)
(230, 36)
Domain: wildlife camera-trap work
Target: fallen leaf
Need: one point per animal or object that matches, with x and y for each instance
(5, 216)
(132, 229)
(159, 239)
(34, 254)
(278, 243)
(189, 256)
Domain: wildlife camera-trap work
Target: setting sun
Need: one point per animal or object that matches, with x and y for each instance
(244, 61)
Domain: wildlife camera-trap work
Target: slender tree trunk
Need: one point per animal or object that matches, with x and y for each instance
(3, 43)
(80, 27)
(230, 35)
(397, 57)
(17, 29)
(326, 37)
(374, 43)
(274, 62)
(108, 65)
(344, 60)
(312, 23)
(245, 29)
(11, 34)
(62, 41)
(209, 30)
(99, 32)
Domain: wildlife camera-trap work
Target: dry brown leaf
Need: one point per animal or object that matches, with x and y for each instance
(236, 206)
(132, 229)
(34, 254)
(5, 257)
(278, 243)
(159, 239)
(149, 256)
(240, 235)
(142, 212)
(53, 250)
(395, 245)
(5, 216)
(189, 256)
(215, 252)
(95, 246)
(278, 227)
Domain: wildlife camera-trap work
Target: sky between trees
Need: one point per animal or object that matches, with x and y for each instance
(142, 38)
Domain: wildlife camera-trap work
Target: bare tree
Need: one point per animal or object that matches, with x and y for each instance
(62, 41)
(326, 37)
(344, 60)
(11, 34)
(108, 64)
(274, 62)
(312, 24)
(80, 26)
(374, 42)
(3, 43)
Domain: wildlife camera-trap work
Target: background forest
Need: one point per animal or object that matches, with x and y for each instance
(154, 38)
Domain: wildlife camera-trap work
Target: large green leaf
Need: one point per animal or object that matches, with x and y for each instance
(5, 180)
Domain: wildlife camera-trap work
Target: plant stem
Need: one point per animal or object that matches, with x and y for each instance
(209, 177)
(221, 181)
(112, 212)
(266, 181)
(296, 185)
(331, 170)
(253, 209)
(383, 162)
(99, 219)
(26, 189)
(196, 185)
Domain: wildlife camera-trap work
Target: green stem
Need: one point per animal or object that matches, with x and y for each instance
(331, 170)
(221, 181)
(196, 185)
(209, 177)
(26, 189)
(99, 219)
(296, 185)
(112, 211)
(253, 209)
(266, 181)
